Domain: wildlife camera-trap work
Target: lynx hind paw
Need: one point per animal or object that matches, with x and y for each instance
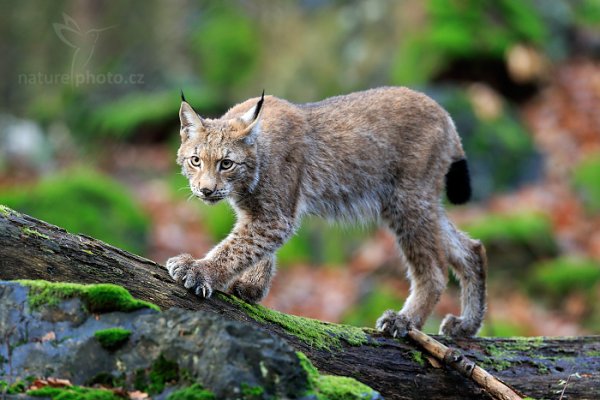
(458, 327)
(394, 324)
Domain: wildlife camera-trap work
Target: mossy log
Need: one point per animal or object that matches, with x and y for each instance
(536, 367)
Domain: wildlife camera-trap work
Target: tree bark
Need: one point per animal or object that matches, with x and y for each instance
(536, 367)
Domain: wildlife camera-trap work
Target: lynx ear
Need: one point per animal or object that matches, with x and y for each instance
(191, 122)
(250, 121)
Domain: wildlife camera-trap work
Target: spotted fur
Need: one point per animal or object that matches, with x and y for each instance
(379, 154)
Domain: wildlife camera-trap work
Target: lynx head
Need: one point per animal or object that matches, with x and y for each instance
(219, 156)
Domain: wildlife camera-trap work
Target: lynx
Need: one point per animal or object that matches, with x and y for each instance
(383, 154)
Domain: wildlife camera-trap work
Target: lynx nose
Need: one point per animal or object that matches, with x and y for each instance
(206, 192)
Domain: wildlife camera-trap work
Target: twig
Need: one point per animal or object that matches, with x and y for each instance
(466, 367)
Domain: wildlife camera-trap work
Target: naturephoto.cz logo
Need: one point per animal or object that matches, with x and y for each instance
(83, 42)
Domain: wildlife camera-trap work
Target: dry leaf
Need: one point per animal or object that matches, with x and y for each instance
(137, 395)
(48, 336)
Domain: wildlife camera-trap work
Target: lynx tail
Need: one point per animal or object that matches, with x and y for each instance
(458, 182)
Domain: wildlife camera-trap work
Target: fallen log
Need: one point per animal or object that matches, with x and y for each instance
(540, 367)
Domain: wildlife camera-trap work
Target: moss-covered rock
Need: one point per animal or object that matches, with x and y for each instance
(193, 392)
(68, 331)
(330, 387)
(99, 298)
(112, 338)
(74, 393)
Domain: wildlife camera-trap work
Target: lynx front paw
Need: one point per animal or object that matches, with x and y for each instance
(191, 273)
(394, 324)
(458, 327)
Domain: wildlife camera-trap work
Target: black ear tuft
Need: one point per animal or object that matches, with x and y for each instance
(182, 96)
(259, 105)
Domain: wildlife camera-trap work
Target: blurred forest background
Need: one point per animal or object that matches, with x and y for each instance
(89, 98)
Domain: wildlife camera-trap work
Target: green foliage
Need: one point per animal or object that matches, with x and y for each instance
(465, 29)
(500, 150)
(367, 310)
(193, 392)
(112, 338)
(73, 393)
(321, 335)
(530, 228)
(330, 387)
(83, 201)
(587, 12)
(562, 276)
(319, 242)
(586, 177)
(226, 44)
(100, 298)
(121, 117)
(501, 328)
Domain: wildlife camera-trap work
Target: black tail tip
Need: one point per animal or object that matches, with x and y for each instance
(458, 182)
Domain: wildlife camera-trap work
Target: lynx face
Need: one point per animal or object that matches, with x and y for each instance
(219, 157)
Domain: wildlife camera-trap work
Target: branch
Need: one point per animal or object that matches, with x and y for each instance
(539, 367)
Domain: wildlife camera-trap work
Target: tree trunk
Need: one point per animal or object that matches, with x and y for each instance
(536, 367)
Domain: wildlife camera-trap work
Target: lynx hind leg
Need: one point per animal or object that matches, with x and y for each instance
(418, 238)
(254, 283)
(468, 260)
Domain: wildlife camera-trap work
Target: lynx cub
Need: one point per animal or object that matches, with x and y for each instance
(382, 154)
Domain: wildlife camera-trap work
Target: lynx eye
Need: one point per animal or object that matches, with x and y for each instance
(195, 161)
(226, 164)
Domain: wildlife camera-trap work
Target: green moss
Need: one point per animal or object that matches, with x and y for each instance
(417, 357)
(32, 232)
(112, 338)
(99, 298)
(163, 371)
(17, 387)
(559, 277)
(74, 393)
(4, 211)
(502, 354)
(84, 201)
(330, 387)
(593, 353)
(316, 333)
(193, 392)
(252, 392)
(497, 358)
